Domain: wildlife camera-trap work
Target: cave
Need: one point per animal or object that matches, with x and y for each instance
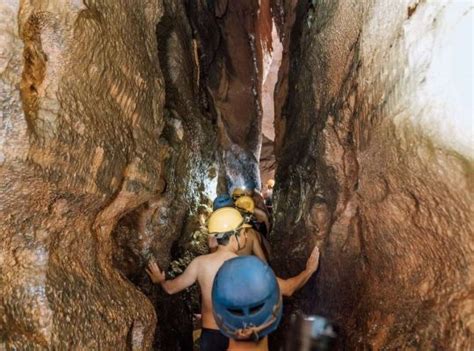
(122, 120)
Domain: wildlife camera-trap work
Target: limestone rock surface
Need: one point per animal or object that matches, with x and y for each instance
(165, 229)
(232, 36)
(100, 169)
(377, 162)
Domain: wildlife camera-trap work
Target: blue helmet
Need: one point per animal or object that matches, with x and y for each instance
(245, 294)
(223, 200)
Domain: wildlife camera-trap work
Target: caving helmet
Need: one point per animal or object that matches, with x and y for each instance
(225, 220)
(251, 185)
(238, 192)
(245, 203)
(270, 183)
(223, 200)
(245, 294)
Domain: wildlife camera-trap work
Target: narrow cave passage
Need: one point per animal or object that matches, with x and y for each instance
(121, 121)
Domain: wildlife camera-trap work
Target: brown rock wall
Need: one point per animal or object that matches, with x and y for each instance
(163, 229)
(383, 194)
(89, 140)
(231, 35)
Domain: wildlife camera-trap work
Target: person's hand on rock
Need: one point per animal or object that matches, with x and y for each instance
(244, 334)
(156, 274)
(313, 260)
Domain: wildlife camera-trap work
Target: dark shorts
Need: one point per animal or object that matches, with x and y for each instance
(213, 340)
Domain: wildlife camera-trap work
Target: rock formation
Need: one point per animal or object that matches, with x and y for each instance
(120, 121)
(382, 175)
(98, 167)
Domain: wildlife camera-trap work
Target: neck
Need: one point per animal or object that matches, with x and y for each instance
(226, 248)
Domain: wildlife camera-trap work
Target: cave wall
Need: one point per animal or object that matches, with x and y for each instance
(232, 36)
(164, 229)
(100, 169)
(374, 150)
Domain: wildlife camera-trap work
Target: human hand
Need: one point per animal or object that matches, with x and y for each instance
(313, 260)
(157, 276)
(244, 334)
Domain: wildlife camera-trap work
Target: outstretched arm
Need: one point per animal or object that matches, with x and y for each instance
(178, 284)
(289, 286)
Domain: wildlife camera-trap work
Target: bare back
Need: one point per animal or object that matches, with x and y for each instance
(208, 267)
(253, 245)
(248, 243)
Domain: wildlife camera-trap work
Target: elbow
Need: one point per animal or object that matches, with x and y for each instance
(288, 290)
(168, 289)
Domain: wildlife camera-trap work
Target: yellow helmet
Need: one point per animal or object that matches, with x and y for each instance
(238, 192)
(245, 203)
(225, 219)
(270, 183)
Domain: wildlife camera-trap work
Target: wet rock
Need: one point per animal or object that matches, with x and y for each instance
(376, 161)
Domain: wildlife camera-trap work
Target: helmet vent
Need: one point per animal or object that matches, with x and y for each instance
(236, 311)
(256, 309)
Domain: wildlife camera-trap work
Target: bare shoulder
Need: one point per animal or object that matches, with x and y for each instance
(197, 261)
(203, 259)
(252, 233)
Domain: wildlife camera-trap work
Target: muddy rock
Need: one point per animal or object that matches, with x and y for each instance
(379, 170)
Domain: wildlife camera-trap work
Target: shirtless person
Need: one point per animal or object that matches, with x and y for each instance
(246, 206)
(227, 225)
(259, 210)
(242, 284)
(253, 245)
(254, 242)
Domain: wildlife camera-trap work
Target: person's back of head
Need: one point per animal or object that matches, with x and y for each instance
(270, 183)
(246, 299)
(225, 222)
(246, 204)
(238, 192)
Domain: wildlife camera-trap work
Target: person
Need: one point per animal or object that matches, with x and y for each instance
(227, 224)
(260, 225)
(247, 299)
(238, 192)
(268, 194)
(247, 205)
(251, 190)
(253, 243)
(247, 302)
